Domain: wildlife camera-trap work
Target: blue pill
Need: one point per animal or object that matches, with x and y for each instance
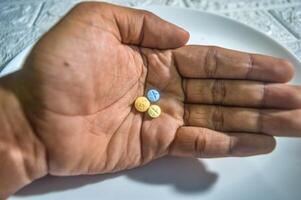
(153, 95)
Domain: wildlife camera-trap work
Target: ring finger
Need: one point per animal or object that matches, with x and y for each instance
(235, 119)
(242, 93)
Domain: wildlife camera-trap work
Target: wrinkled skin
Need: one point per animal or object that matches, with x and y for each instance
(85, 107)
(79, 83)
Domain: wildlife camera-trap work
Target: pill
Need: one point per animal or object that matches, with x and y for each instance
(142, 104)
(153, 95)
(154, 111)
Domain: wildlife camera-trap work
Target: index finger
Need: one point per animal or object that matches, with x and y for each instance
(196, 61)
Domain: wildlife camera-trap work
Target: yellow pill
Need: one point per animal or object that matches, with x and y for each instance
(142, 104)
(154, 111)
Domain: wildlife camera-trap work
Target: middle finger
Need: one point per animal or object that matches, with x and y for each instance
(236, 119)
(242, 93)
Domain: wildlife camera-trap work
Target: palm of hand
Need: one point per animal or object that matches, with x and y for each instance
(85, 74)
(87, 86)
(74, 97)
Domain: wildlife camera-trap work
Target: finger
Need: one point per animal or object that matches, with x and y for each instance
(282, 123)
(202, 142)
(242, 93)
(214, 62)
(234, 119)
(132, 26)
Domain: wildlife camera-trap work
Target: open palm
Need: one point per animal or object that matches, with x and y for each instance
(85, 73)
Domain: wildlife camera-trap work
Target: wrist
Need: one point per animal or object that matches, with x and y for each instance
(22, 155)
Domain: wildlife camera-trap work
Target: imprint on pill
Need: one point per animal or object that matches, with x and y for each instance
(153, 95)
(142, 104)
(154, 111)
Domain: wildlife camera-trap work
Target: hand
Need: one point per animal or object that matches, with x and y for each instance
(79, 83)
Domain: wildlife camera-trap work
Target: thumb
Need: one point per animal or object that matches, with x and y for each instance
(137, 27)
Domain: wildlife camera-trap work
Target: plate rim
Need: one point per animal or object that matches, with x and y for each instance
(219, 15)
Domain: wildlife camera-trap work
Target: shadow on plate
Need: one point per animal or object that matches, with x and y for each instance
(184, 174)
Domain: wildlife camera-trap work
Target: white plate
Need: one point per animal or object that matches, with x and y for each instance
(274, 176)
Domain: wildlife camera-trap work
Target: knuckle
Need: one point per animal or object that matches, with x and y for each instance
(186, 115)
(218, 118)
(219, 91)
(210, 67)
(200, 143)
(265, 93)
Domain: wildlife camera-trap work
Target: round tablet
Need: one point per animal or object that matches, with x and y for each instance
(142, 104)
(154, 111)
(153, 95)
